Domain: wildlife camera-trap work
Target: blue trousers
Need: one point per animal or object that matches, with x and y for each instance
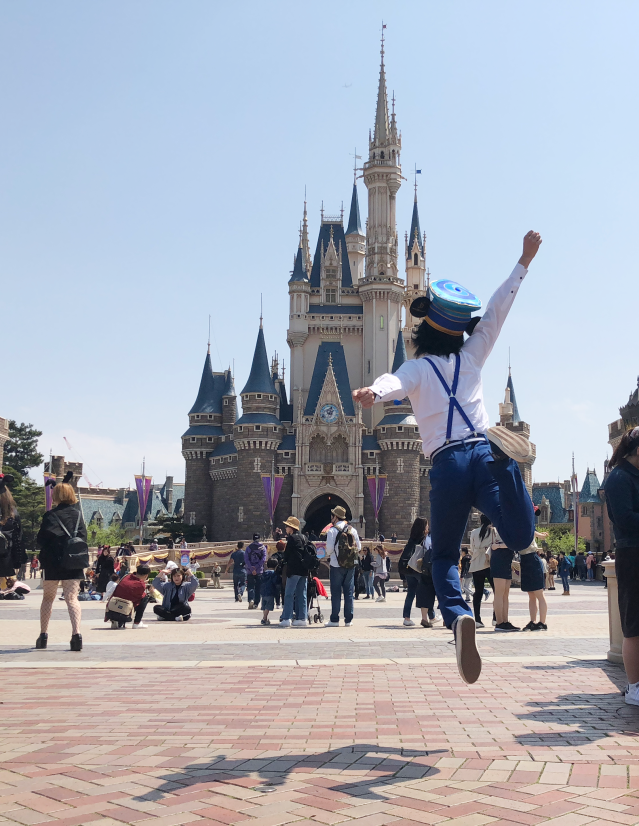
(239, 584)
(341, 580)
(461, 477)
(295, 594)
(253, 586)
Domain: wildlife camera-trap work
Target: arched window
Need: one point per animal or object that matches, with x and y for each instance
(317, 450)
(381, 155)
(415, 259)
(339, 450)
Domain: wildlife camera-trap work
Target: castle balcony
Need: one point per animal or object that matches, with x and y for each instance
(315, 467)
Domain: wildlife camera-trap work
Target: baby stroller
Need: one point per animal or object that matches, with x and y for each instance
(312, 595)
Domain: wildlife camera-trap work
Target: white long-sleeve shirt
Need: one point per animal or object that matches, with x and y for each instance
(331, 541)
(417, 380)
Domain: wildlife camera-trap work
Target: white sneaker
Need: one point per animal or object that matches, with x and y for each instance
(348, 624)
(300, 623)
(408, 622)
(285, 624)
(514, 445)
(331, 624)
(380, 599)
(114, 625)
(632, 694)
(140, 625)
(179, 619)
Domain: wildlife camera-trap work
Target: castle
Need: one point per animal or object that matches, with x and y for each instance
(349, 322)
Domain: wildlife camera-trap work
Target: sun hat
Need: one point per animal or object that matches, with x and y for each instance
(339, 512)
(293, 522)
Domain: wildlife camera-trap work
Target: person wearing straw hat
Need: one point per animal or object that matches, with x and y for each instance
(296, 576)
(342, 571)
(473, 464)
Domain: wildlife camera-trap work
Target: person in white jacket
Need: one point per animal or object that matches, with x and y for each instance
(473, 464)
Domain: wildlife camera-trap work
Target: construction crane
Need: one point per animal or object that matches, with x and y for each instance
(84, 473)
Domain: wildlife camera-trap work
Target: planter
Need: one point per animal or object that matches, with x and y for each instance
(203, 583)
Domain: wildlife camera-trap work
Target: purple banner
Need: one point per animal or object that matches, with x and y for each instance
(143, 486)
(377, 488)
(272, 490)
(48, 491)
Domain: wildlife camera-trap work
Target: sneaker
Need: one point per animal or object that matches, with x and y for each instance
(541, 626)
(300, 623)
(380, 599)
(331, 624)
(265, 622)
(468, 659)
(348, 624)
(285, 624)
(367, 597)
(251, 604)
(532, 626)
(506, 444)
(159, 618)
(114, 625)
(426, 624)
(631, 695)
(505, 626)
(139, 625)
(239, 599)
(179, 619)
(512, 627)
(408, 623)
(479, 624)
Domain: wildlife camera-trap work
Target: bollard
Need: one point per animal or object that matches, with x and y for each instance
(614, 620)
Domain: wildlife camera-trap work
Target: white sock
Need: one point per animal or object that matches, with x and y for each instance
(633, 686)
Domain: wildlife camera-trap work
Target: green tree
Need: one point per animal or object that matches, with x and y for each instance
(21, 448)
(172, 526)
(105, 536)
(561, 539)
(29, 498)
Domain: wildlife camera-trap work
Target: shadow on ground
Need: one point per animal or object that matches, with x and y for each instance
(394, 765)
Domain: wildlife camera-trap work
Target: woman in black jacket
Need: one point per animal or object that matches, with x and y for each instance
(52, 539)
(104, 569)
(622, 501)
(12, 552)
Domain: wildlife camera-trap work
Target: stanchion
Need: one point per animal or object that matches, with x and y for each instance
(614, 620)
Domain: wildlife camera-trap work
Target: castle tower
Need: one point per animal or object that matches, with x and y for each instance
(629, 414)
(509, 417)
(299, 290)
(381, 290)
(355, 239)
(400, 451)
(229, 405)
(415, 247)
(199, 441)
(257, 434)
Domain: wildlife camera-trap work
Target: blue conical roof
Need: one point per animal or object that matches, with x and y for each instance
(400, 353)
(589, 488)
(259, 380)
(414, 228)
(299, 274)
(513, 400)
(229, 387)
(209, 397)
(354, 222)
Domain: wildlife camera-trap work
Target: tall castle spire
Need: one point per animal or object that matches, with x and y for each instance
(354, 221)
(382, 128)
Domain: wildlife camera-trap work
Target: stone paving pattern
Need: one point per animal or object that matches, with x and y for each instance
(368, 740)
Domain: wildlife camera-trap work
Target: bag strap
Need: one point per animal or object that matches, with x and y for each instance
(77, 524)
(59, 521)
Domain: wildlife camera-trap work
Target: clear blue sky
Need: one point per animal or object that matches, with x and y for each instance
(153, 164)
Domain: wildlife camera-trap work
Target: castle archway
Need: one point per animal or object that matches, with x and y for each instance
(318, 513)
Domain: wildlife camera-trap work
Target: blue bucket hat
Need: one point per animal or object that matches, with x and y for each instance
(448, 307)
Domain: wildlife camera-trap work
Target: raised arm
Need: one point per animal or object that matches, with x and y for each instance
(390, 386)
(485, 334)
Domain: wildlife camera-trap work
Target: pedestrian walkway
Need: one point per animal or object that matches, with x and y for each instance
(277, 733)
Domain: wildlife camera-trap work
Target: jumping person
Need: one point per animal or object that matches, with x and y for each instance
(472, 463)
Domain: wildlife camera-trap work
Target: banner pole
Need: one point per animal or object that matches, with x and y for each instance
(140, 503)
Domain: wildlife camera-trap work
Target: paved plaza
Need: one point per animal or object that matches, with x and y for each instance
(222, 721)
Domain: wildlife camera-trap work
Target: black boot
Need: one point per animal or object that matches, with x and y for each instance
(76, 642)
(42, 640)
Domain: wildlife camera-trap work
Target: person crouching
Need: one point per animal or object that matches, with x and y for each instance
(133, 588)
(175, 594)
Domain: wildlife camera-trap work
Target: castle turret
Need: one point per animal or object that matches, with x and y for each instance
(199, 441)
(509, 417)
(629, 417)
(355, 239)
(400, 451)
(381, 290)
(257, 434)
(229, 404)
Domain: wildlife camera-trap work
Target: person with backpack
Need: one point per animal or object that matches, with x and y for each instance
(254, 560)
(64, 555)
(12, 552)
(342, 549)
(298, 558)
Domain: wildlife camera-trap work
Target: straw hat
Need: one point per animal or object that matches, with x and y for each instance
(339, 512)
(292, 522)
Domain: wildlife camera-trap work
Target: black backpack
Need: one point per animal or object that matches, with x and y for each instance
(75, 552)
(308, 556)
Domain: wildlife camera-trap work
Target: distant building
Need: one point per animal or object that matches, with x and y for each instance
(118, 507)
(4, 435)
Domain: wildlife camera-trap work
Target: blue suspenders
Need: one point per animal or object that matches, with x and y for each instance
(453, 403)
